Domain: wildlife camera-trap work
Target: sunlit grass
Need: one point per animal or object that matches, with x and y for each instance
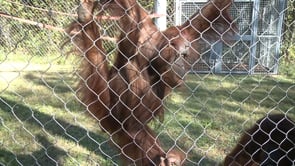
(213, 110)
(43, 122)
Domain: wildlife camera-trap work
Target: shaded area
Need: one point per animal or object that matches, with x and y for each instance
(202, 110)
(211, 111)
(263, 91)
(49, 154)
(89, 140)
(60, 82)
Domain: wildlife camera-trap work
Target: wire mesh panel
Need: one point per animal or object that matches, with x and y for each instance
(254, 19)
(97, 83)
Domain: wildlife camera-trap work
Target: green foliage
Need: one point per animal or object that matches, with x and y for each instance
(31, 39)
(28, 37)
(148, 5)
(287, 68)
(288, 48)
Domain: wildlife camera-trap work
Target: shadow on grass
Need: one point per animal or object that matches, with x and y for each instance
(48, 155)
(89, 140)
(205, 105)
(61, 85)
(59, 82)
(268, 92)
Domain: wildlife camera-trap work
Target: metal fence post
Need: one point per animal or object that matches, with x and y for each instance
(160, 9)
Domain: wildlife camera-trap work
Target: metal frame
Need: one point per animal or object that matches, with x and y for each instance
(255, 39)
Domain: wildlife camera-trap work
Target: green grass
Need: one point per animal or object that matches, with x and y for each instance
(41, 120)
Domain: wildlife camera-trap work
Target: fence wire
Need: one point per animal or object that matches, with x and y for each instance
(95, 83)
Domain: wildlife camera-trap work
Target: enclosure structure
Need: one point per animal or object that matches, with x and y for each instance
(256, 48)
(44, 122)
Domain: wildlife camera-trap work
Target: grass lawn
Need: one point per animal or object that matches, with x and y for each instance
(42, 122)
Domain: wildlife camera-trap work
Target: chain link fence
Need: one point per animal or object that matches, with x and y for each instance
(60, 108)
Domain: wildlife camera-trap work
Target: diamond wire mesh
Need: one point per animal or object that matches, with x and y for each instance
(43, 122)
(255, 20)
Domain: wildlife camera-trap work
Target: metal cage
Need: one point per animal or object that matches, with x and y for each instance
(257, 45)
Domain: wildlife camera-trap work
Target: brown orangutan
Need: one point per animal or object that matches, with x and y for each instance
(125, 97)
(271, 142)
